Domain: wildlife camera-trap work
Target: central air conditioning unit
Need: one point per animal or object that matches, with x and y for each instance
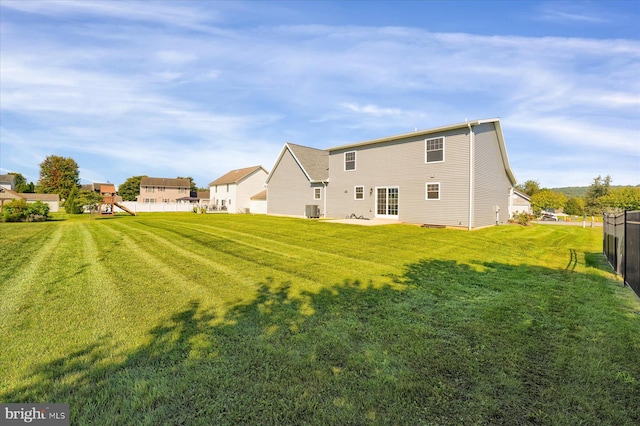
(312, 211)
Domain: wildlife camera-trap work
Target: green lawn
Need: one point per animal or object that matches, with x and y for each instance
(239, 319)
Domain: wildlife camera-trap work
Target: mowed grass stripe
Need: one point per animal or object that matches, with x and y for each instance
(317, 238)
(20, 238)
(311, 264)
(249, 269)
(218, 287)
(17, 287)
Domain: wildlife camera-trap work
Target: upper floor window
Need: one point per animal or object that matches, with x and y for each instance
(434, 150)
(359, 193)
(350, 160)
(161, 189)
(150, 189)
(182, 190)
(316, 193)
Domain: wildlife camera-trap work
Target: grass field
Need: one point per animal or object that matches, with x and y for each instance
(239, 319)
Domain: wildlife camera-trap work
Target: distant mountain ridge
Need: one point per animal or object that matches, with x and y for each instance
(580, 191)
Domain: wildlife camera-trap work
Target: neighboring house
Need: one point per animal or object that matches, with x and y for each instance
(53, 200)
(233, 191)
(7, 195)
(456, 175)
(95, 187)
(520, 203)
(298, 179)
(8, 182)
(163, 190)
(258, 204)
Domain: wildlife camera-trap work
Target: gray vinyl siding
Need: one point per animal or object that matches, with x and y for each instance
(289, 189)
(401, 164)
(491, 184)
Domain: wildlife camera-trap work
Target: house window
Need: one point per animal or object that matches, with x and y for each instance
(434, 150)
(350, 160)
(161, 189)
(150, 189)
(316, 193)
(227, 187)
(182, 190)
(433, 191)
(359, 193)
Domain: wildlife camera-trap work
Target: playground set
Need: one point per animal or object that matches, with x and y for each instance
(105, 208)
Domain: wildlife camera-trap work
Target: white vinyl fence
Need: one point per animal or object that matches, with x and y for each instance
(156, 207)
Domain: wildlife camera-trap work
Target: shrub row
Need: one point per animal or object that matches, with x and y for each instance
(21, 211)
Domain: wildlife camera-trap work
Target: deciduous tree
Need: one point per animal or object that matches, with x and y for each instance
(130, 189)
(530, 187)
(547, 200)
(58, 175)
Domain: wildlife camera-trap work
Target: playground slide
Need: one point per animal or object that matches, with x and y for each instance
(125, 209)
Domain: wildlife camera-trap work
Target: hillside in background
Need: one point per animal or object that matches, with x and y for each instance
(579, 191)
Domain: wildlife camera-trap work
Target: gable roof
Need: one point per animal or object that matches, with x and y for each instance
(40, 197)
(166, 182)
(262, 195)
(313, 162)
(495, 121)
(107, 188)
(236, 176)
(7, 194)
(8, 178)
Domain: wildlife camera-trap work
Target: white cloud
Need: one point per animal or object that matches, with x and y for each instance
(236, 94)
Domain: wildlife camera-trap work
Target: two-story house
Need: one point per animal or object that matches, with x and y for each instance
(456, 175)
(232, 192)
(163, 190)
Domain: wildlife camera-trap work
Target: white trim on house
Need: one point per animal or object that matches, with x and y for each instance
(426, 188)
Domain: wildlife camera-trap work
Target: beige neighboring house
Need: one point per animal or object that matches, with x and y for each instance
(53, 200)
(232, 192)
(163, 190)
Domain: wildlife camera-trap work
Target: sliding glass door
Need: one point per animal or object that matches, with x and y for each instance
(387, 202)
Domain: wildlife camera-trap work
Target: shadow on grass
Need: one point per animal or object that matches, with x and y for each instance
(487, 343)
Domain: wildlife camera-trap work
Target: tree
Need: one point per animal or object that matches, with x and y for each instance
(71, 205)
(58, 175)
(130, 189)
(194, 187)
(547, 200)
(88, 200)
(618, 199)
(598, 189)
(574, 206)
(530, 187)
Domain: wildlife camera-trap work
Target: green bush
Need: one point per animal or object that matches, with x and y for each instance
(523, 218)
(21, 211)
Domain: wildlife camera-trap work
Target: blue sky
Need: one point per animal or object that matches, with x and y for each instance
(181, 88)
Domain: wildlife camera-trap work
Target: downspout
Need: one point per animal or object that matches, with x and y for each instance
(324, 206)
(471, 177)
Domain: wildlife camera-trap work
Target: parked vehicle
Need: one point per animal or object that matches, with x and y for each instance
(549, 216)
